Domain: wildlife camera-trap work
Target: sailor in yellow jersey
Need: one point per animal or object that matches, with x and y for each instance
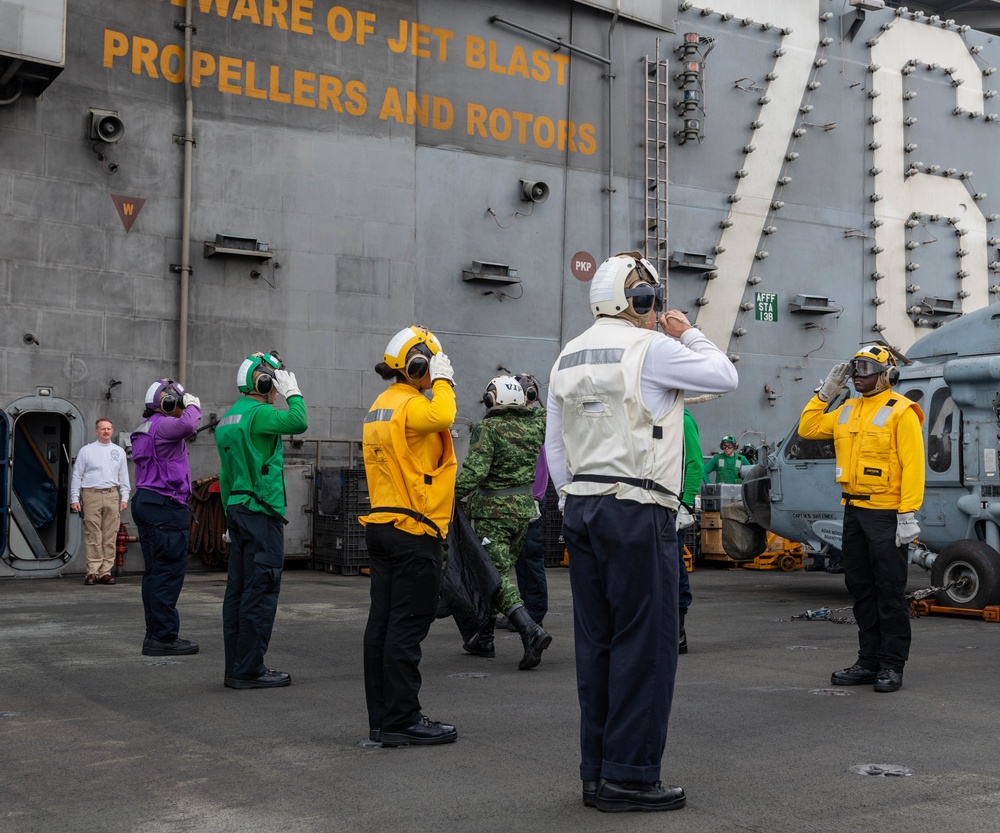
(410, 465)
(880, 468)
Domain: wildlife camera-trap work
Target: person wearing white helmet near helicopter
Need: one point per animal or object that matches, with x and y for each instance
(160, 510)
(879, 445)
(615, 449)
(410, 466)
(252, 486)
(497, 476)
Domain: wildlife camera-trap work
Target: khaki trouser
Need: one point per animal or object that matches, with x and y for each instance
(101, 518)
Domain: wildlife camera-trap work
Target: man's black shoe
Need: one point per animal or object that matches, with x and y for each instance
(621, 796)
(375, 735)
(481, 647)
(422, 733)
(589, 793)
(227, 682)
(889, 680)
(179, 647)
(269, 679)
(855, 675)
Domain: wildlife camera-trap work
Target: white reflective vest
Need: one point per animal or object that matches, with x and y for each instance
(613, 444)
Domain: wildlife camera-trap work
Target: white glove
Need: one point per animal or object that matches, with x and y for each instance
(907, 528)
(684, 517)
(284, 381)
(835, 380)
(441, 369)
(226, 538)
(191, 399)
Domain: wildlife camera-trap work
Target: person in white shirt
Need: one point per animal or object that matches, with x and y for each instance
(99, 490)
(615, 447)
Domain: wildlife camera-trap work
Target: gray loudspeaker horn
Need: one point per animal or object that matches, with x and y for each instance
(534, 191)
(105, 126)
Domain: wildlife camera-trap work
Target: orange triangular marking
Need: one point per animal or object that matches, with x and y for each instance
(128, 209)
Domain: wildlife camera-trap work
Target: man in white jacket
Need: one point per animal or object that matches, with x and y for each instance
(615, 449)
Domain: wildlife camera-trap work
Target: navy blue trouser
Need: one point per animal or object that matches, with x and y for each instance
(405, 582)
(164, 527)
(256, 558)
(875, 572)
(623, 573)
(529, 568)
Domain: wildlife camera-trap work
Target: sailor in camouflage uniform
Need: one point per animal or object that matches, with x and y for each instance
(498, 473)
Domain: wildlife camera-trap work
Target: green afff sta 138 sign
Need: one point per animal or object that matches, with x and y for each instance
(766, 306)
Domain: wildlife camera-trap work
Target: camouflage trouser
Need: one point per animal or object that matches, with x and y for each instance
(505, 538)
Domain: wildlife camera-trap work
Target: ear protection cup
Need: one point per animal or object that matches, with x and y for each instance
(264, 383)
(893, 376)
(531, 394)
(169, 403)
(416, 368)
(489, 398)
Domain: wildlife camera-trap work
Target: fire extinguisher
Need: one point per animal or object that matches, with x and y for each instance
(121, 547)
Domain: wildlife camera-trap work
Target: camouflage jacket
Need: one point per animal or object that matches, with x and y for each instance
(502, 454)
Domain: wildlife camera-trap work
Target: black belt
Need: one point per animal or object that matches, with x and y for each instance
(417, 516)
(644, 483)
(856, 497)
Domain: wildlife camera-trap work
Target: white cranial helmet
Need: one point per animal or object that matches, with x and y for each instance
(504, 392)
(607, 289)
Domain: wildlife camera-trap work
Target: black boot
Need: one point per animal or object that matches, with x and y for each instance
(482, 643)
(682, 646)
(533, 636)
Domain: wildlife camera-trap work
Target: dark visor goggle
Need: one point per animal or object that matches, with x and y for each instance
(866, 367)
(645, 297)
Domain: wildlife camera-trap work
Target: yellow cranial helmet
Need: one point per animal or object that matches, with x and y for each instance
(872, 359)
(403, 342)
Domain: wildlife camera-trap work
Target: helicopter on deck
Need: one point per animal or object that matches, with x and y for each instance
(953, 374)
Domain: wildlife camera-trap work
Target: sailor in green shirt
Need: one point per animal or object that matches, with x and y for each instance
(252, 483)
(727, 465)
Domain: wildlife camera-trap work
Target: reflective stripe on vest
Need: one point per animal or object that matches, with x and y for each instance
(379, 415)
(607, 355)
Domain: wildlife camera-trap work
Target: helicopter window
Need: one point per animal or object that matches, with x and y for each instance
(799, 448)
(940, 437)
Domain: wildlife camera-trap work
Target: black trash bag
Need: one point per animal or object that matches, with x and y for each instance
(470, 580)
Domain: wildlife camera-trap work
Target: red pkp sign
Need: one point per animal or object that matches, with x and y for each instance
(583, 266)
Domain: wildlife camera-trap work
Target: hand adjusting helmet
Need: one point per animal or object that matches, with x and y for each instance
(164, 396)
(504, 392)
(876, 360)
(419, 341)
(256, 374)
(611, 292)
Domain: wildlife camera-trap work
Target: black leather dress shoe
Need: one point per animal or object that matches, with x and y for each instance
(375, 735)
(621, 796)
(269, 679)
(227, 682)
(589, 793)
(179, 647)
(422, 733)
(855, 675)
(889, 680)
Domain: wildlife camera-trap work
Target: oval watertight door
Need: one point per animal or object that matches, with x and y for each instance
(42, 435)
(4, 479)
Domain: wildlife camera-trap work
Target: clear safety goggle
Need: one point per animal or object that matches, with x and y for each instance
(866, 367)
(646, 297)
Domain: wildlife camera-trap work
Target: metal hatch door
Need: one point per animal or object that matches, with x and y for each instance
(4, 478)
(41, 434)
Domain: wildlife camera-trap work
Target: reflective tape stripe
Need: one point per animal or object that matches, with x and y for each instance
(379, 415)
(143, 429)
(845, 415)
(882, 417)
(605, 355)
(234, 419)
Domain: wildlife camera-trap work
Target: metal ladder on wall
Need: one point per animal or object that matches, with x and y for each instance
(655, 146)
